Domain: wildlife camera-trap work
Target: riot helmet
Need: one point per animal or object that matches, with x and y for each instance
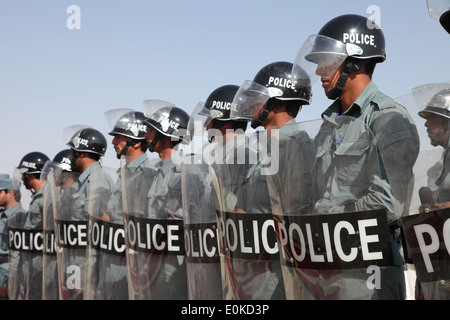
(130, 124)
(440, 10)
(88, 140)
(274, 85)
(62, 159)
(216, 110)
(219, 102)
(31, 164)
(434, 98)
(168, 120)
(61, 163)
(349, 40)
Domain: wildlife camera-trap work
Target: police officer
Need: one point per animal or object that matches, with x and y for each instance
(201, 195)
(273, 100)
(344, 55)
(87, 147)
(109, 272)
(281, 97)
(440, 10)
(92, 186)
(57, 174)
(30, 167)
(14, 215)
(130, 146)
(437, 115)
(166, 130)
(437, 121)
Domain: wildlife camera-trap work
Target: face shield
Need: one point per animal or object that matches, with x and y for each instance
(321, 56)
(18, 178)
(157, 112)
(436, 8)
(250, 99)
(69, 134)
(113, 116)
(198, 121)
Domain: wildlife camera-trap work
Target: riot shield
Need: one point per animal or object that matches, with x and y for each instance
(425, 223)
(50, 285)
(427, 237)
(340, 248)
(15, 222)
(29, 241)
(200, 231)
(154, 243)
(71, 226)
(248, 246)
(106, 277)
(70, 220)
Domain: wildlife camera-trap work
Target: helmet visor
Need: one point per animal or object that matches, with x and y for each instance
(199, 120)
(433, 98)
(156, 111)
(437, 7)
(250, 100)
(319, 56)
(69, 133)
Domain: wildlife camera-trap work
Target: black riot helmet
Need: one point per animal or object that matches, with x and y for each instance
(216, 110)
(168, 120)
(61, 163)
(62, 159)
(277, 75)
(219, 102)
(349, 40)
(130, 124)
(440, 10)
(275, 85)
(88, 140)
(33, 163)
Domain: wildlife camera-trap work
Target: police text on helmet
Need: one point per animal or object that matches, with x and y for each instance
(357, 38)
(222, 105)
(282, 82)
(30, 165)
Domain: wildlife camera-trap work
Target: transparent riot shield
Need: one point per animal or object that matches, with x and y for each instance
(337, 244)
(71, 238)
(427, 237)
(247, 241)
(29, 241)
(15, 223)
(200, 231)
(424, 225)
(50, 285)
(154, 238)
(106, 263)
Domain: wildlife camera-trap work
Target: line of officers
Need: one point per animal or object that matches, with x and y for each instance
(238, 221)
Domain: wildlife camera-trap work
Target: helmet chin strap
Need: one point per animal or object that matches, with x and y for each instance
(152, 145)
(334, 93)
(123, 152)
(262, 117)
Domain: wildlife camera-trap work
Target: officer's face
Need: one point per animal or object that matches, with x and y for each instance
(329, 81)
(119, 143)
(437, 129)
(3, 198)
(150, 134)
